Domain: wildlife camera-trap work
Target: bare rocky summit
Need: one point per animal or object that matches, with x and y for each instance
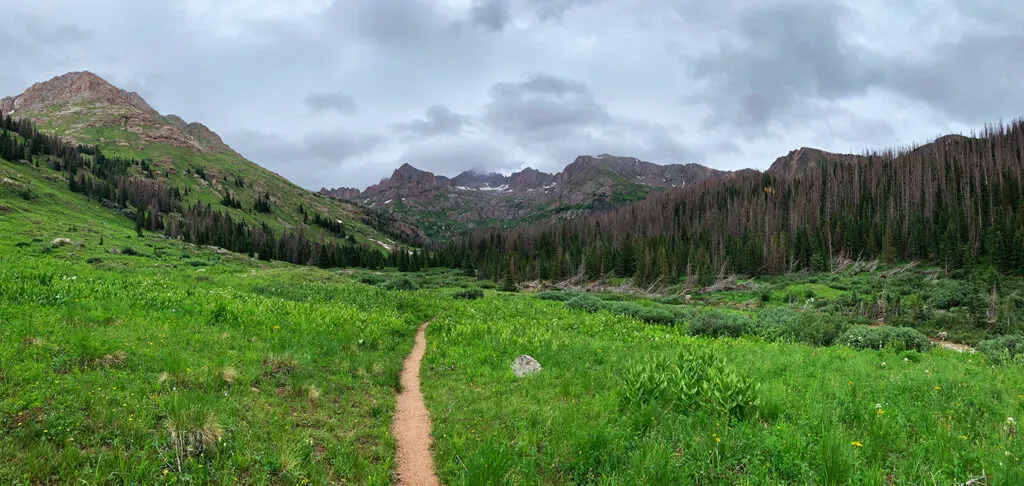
(84, 107)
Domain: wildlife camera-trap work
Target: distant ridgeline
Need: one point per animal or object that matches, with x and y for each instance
(160, 207)
(956, 201)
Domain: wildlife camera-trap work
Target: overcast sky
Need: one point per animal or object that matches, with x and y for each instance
(340, 93)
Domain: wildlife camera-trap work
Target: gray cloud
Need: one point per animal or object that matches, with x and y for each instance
(439, 121)
(756, 78)
(543, 107)
(338, 102)
(493, 14)
(452, 156)
(307, 158)
(769, 71)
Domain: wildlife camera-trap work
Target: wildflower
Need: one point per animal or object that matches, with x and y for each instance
(718, 440)
(165, 472)
(1010, 421)
(276, 326)
(856, 443)
(879, 412)
(964, 437)
(883, 364)
(937, 387)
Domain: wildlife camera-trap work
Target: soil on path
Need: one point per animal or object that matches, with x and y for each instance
(414, 466)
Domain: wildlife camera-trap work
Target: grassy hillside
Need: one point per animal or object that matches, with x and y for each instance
(211, 175)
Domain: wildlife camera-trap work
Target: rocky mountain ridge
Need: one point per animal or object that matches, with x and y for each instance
(441, 204)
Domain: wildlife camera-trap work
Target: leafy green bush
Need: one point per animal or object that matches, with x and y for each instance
(897, 338)
(654, 315)
(717, 324)
(1002, 349)
(371, 279)
(91, 260)
(947, 294)
(584, 302)
(817, 329)
(400, 283)
(555, 295)
(696, 379)
(774, 323)
(469, 294)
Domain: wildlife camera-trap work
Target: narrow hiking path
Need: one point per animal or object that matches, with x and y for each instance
(414, 466)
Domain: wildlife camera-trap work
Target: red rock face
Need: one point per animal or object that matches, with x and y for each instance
(346, 193)
(60, 100)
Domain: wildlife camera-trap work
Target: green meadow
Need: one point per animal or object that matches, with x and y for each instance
(143, 360)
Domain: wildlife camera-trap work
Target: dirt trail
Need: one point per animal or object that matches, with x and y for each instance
(951, 345)
(414, 466)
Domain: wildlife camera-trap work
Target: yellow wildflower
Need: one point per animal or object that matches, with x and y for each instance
(857, 443)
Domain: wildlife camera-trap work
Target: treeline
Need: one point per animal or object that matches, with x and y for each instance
(955, 202)
(159, 206)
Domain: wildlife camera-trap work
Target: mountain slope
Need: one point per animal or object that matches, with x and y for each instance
(83, 108)
(953, 202)
(442, 206)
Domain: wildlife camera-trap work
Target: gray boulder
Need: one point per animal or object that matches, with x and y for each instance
(525, 365)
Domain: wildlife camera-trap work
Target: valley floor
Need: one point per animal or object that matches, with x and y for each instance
(143, 360)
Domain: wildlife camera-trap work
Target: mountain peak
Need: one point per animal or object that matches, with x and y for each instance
(804, 159)
(475, 178)
(79, 86)
(80, 105)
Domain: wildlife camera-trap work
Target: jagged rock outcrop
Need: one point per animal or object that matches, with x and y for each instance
(344, 193)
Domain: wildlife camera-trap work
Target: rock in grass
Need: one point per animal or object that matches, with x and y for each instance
(61, 241)
(525, 365)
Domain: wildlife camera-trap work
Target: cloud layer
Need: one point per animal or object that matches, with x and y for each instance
(341, 92)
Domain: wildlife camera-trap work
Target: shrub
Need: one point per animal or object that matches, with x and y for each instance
(584, 302)
(774, 323)
(469, 294)
(696, 379)
(655, 315)
(817, 329)
(1003, 348)
(371, 279)
(401, 283)
(948, 294)
(129, 251)
(94, 260)
(897, 338)
(555, 295)
(715, 324)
